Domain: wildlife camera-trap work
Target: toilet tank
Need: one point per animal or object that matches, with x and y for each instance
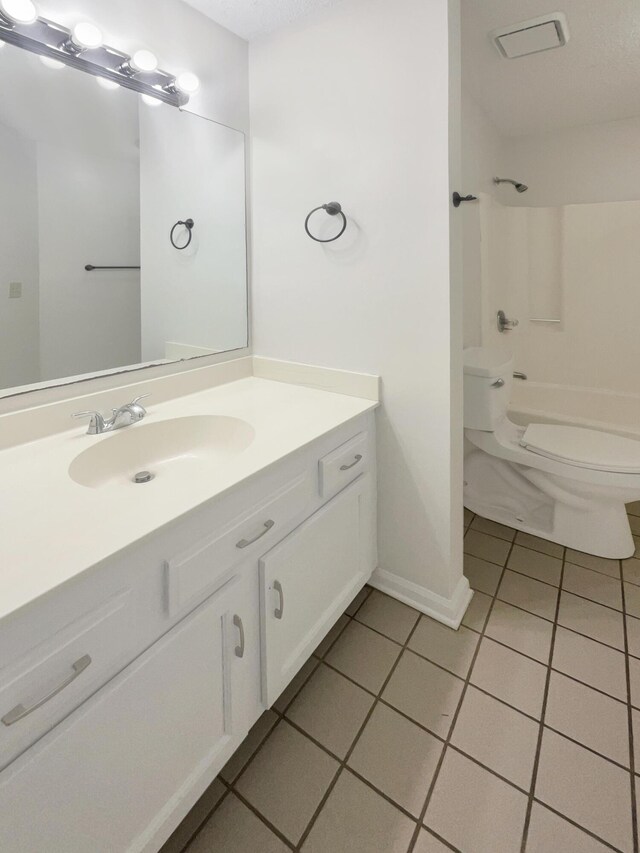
(488, 375)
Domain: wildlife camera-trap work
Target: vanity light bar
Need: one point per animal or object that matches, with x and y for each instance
(52, 40)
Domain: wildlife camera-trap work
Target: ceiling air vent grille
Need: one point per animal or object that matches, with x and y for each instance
(532, 36)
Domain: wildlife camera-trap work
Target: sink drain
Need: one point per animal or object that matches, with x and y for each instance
(143, 477)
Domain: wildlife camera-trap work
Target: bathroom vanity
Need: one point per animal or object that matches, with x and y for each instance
(146, 626)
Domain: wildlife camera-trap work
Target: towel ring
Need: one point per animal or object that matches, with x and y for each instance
(333, 208)
(188, 224)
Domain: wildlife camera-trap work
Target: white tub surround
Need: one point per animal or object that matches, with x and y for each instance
(145, 627)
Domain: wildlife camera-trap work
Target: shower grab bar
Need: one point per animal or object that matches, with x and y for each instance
(91, 268)
(543, 320)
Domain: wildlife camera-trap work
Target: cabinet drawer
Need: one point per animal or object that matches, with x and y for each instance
(199, 571)
(343, 465)
(57, 676)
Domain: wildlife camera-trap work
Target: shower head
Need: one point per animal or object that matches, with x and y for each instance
(521, 188)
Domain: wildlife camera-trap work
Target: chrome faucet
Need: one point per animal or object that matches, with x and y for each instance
(126, 415)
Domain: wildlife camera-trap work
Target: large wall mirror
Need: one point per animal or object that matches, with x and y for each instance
(96, 177)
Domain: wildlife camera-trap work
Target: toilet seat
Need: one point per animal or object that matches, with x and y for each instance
(584, 448)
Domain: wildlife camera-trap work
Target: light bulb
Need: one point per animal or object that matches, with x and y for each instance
(187, 83)
(50, 62)
(19, 11)
(107, 84)
(150, 101)
(86, 36)
(143, 60)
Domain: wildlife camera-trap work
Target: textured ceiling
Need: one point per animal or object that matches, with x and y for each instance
(252, 18)
(594, 78)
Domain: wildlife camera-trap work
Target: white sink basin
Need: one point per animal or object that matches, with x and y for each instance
(166, 448)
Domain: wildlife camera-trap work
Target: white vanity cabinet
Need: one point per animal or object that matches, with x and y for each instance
(201, 627)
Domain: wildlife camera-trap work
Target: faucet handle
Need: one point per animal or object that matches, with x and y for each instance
(96, 424)
(137, 399)
(86, 415)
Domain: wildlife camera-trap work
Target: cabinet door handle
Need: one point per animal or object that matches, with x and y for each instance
(355, 462)
(20, 711)
(267, 527)
(237, 621)
(279, 611)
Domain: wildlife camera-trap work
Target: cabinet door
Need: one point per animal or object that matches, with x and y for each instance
(309, 579)
(112, 774)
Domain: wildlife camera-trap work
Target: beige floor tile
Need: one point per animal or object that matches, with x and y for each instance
(428, 843)
(595, 720)
(549, 833)
(634, 524)
(633, 636)
(295, 685)
(364, 656)
(249, 745)
(591, 619)
(468, 517)
(397, 757)
(501, 531)
(332, 636)
(235, 829)
(635, 720)
(502, 739)
(521, 631)
(588, 789)
(591, 662)
(287, 779)
(331, 709)
(476, 614)
(357, 820)
(388, 616)
(631, 570)
(632, 599)
(633, 508)
(483, 576)
(474, 810)
(529, 594)
(634, 677)
(636, 540)
(592, 585)
(598, 564)
(451, 649)
(424, 692)
(360, 598)
(510, 676)
(486, 547)
(536, 565)
(179, 839)
(538, 544)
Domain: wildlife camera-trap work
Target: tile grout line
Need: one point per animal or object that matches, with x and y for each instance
(545, 697)
(632, 781)
(343, 764)
(467, 681)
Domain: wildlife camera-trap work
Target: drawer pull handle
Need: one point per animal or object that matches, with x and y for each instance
(355, 462)
(20, 711)
(279, 611)
(244, 542)
(237, 621)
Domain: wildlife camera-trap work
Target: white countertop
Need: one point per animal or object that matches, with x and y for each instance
(53, 528)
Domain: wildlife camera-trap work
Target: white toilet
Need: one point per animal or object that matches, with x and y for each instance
(563, 483)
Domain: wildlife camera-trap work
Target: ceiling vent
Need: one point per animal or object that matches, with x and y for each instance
(532, 36)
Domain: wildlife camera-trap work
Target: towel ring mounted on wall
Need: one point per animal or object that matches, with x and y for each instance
(333, 208)
(188, 224)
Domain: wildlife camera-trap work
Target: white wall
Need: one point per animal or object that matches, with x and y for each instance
(192, 168)
(89, 213)
(19, 354)
(596, 162)
(353, 105)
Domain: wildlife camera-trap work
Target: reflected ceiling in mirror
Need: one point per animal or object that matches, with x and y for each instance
(96, 177)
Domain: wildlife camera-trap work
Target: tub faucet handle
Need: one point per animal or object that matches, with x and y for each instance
(505, 325)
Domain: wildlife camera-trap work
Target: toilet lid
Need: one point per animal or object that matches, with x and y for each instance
(587, 448)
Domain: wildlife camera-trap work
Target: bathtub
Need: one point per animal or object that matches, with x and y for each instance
(610, 411)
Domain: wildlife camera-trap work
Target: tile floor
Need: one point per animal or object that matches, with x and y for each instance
(515, 733)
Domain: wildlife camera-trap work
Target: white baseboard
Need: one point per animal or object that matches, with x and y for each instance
(449, 611)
